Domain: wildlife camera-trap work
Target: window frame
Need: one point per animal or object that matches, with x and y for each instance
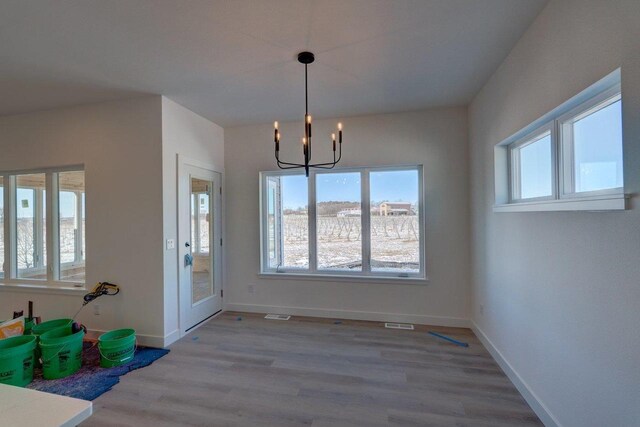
(514, 163)
(365, 273)
(599, 95)
(566, 163)
(52, 224)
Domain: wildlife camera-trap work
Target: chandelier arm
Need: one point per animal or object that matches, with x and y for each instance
(321, 166)
(291, 167)
(298, 165)
(317, 165)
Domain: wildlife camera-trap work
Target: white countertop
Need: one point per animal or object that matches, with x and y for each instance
(21, 407)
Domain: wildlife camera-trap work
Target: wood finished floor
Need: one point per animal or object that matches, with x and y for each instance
(304, 371)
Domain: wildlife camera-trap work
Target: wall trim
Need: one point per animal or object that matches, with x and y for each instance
(529, 395)
(171, 337)
(456, 322)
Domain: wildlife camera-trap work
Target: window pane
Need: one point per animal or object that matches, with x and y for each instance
(71, 220)
(338, 209)
(597, 140)
(535, 169)
(203, 217)
(31, 226)
(287, 221)
(1, 227)
(395, 228)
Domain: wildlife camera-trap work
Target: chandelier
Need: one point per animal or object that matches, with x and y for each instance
(307, 58)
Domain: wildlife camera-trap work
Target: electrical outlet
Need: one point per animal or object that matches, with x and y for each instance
(481, 309)
(171, 244)
(250, 289)
(96, 310)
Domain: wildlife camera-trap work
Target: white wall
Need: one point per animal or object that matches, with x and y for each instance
(561, 290)
(192, 136)
(436, 138)
(119, 144)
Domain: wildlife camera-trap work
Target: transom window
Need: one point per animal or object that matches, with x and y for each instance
(42, 219)
(570, 159)
(354, 222)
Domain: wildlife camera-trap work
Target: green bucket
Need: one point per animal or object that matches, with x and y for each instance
(29, 323)
(117, 347)
(43, 327)
(16, 360)
(61, 352)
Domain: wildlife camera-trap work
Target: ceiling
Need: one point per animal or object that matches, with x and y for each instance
(234, 61)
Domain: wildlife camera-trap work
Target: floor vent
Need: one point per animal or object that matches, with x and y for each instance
(277, 317)
(405, 326)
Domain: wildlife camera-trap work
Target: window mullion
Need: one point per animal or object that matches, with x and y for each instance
(9, 227)
(313, 242)
(78, 235)
(53, 227)
(365, 218)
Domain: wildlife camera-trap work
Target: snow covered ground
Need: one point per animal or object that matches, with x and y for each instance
(394, 242)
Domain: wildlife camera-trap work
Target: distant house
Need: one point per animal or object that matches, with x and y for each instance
(396, 208)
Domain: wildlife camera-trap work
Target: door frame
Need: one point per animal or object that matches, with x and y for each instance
(182, 163)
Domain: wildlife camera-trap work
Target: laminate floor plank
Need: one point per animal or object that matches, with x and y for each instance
(315, 372)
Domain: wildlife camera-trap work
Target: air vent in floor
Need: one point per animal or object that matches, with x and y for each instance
(406, 326)
(277, 317)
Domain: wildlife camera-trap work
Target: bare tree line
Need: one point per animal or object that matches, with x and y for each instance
(332, 228)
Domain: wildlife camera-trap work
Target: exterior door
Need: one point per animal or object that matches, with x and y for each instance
(200, 245)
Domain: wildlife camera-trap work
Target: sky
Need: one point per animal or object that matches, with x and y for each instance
(385, 185)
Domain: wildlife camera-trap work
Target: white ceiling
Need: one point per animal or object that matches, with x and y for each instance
(234, 61)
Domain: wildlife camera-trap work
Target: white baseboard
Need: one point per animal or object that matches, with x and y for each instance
(529, 395)
(156, 341)
(352, 315)
(171, 337)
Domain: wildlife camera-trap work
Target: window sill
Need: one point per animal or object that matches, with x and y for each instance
(345, 278)
(57, 289)
(612, 202)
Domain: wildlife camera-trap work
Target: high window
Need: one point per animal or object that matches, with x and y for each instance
(42, 216)
(570, 159)
(347, 222)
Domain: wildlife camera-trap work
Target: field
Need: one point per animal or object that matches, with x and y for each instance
(25, 244)
(394, 242)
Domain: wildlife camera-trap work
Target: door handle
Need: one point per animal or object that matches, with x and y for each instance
(188, 260)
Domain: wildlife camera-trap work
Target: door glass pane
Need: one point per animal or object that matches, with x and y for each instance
(535, 168)
(597, 145)
(1, 227)
(71, 217)
(31, 226)
(395, 228)
(201, 238)
(339, 225)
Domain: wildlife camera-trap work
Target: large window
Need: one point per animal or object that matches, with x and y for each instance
(43, 215)
(352, 222)
(571, 160)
